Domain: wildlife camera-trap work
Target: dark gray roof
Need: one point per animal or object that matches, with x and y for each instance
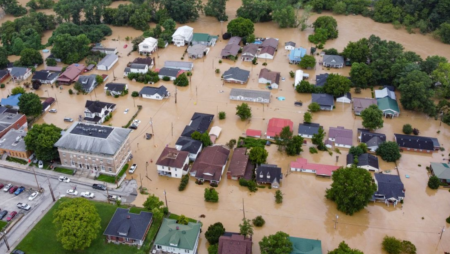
(321, 79)
(93, 138)
(178, 64)
(169, 72)
(372, 139)
(87, 82)
(148, 90)
(414, 142)
(333, 60)
(199, 122)
(119, 87)
(308, 128)
(129, 225)
(18, 71)
(390, 88)
(236, 73)
(97, 106)
(44, 75)
(323, 99)
(390, 186)
(3, 73)
(235, 40)
(364, 160)
(289, 43)
(188, 144)
(273, 171)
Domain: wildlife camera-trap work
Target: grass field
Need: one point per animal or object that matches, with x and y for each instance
(112, 179)
(2, 224)
(16, 160)
(64, 170)
(42, 238)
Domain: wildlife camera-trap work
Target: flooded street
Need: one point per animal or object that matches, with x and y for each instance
(305, 212)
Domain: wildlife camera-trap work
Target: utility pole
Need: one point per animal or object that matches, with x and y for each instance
(51, 190)
(5, 240)
(336, 221)
(243, 207)
(146, 167)
(172, 129)
(165, 197)
(442, 232)
(151, 123)
(176, 92)
(35, 177)
(140, 176)
(196, 93)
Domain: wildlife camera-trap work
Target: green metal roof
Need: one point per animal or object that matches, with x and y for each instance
(388, 104)
(305, 246)
(177, 235)
(203, 37)
(441, 170)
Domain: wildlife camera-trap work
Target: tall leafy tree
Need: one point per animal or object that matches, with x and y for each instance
(255, 10)
(431, 63)
(183, 11)
(343, 248)
(41, 139)
(329, 24)
(317, 139)
(13, 7)
(216, 8)
(3, 57)
(70, 49)
(351, 190)
(442, 75)
(240, 27)
(246, 228)
(213, 233)
(357, 52)
(336, 85)
(389, 151)
(258, 155)
(307, 61)
(361, 75)
(372, 117)
(415, 95)
(153, 202)
(243, 111)
(30, 104)
(77, 222)
(285, 16)
(277, 243)
(30, 57)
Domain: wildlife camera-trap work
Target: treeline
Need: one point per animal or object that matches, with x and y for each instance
(283, 12)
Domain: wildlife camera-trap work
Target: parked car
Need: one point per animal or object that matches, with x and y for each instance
(17, 252)
(99, 186)
(64, 179)
(7, 187)
(11, 216)
(87, 194)
(114, 198)
(23, 206)
(68, 119)
(19, 190)
(3, 214)
(33, 195)
(13, 189)
(297, 103)
(53, 110)
(132, 169)
(72, 192)
(2, 185)
(41, 164)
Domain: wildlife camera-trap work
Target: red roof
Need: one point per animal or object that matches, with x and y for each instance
(276, 125)
(180, 72)
(321, 169)
(253, 133)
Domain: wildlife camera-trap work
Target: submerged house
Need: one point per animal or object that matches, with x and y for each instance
(210, 164)
(182, 36)
(302, 165)
(236, 75)
(389, 188)
(272, 78)
(417, 143)
(173, 163)
(177, 238)
(269, 174)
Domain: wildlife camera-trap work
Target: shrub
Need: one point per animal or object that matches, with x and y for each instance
(165, 78)
(265, 64)
(70, 91)
(2, 85)
(217, 70)
(259, 221)
(242, 182)
(222, 115)
(184, 182)
(416, 131)
(292, 74)
(278, 197)
(220, 61)
(134, 94)
(251, 185)
(434, 182)
(448, 219)
(314, 107)
(313, 150)
(392, 245)
(211, 195)
(407, 129)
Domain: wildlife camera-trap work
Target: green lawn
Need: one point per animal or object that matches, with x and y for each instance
(2, 224)
(112, 179)
(251, 142)
(64, 170)
(41, 238)
(16, 160)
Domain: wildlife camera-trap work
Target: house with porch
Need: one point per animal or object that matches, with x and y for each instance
(210, 164)
(71, 74)
(383, 93)
(19, 73)
(296, 55)
(116, 88)
(276, 125)
(173, 163)
(269, 174)
(182, 36)
(333, 61)
(307, 130)
(272, 78)
(96, 111)
(371, 139)
(441, 170)
(341, 137)
(128, 228)
(325, 101)
(148, 46)
(174, 238)
(236, 75)
(389, 188)
(359, 104)
(267, 53)
(45, 77)
(192, 146)
(388, 106)
(290, 45)
(172, 73)
(249, 52)
(197, 51)
(154, 93)
(88, 83)
(230, 51)
(366, 161)
(204, 39)
(302, 165)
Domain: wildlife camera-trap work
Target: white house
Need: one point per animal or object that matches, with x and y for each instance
(269, 77)
(346, 98)
(169, 72)
(135, 68)
(45, 77)
(96, 111)
(177, 238)
(154, 93)
(290, 45)
(380, 94)
(267, 53)
(148, 45)
(192, 146)
(366, 161)
(182, 36)
(298, 77)
(173, 163)
(19, 73)
(107, 62)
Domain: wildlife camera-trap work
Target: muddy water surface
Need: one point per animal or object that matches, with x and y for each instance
(305, 212)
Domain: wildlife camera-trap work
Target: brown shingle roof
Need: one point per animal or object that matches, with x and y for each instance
(270, 75)
(268, 50)
(72, 71)
(234, 244)
(238, 162)
(270, 42)
(230, 50)
(209, 163)
(171, 157)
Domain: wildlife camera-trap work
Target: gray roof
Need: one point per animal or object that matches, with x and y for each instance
(129, 225)
(321, 79)
(13, 140)
(97, 106)
(18, 71)
(8, 118)
(93, 138)
(270, 42)
(308, 128)
(108, 60)
(415, 142)
(390, 186)
(148, 90)
(118, 87)
(372, 139)
(235, 40)
(341, 135)
(87, 82)
(289, 43)
(188, 144)
(441, 170)
(199, 122)
(323, 99)
(138, 66)
(250, 93)
(251, 49)
(333, 60)
(237, 74)
(44, 75)
(230, 50)
(178, 64)
(269, 173)
(196, 49)
(169, 72)
(364, 160)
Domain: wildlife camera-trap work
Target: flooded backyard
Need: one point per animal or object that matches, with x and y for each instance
(305, 212)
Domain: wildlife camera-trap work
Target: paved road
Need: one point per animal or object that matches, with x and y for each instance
(45, 201)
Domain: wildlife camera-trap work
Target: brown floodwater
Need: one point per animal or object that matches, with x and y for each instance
(305, 212)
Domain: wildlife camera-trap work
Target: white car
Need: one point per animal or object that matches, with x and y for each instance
(40, 164)
(23, 206)
(126, 110)
(33, 195)
(132, 169)
(64, 179)
(72, 192)
(87, 194)
(7, 187)
(52, 110)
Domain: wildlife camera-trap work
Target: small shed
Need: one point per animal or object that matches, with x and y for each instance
(214, 133)
(253, 133)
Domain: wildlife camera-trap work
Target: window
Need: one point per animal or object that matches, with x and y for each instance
(65, 161)
(109, 169)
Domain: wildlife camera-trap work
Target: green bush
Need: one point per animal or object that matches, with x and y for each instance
(2, 85)
(434, 182)
(217, 70)
(258, 221)
(70, 91)
(222, 115)
(134, 94)
(448, 219)
(165, 78)
(220, 61)
(313, 150)
(278, 197)
(184, 182)
(211, 195)
(407, 129)
(251, 185)
(292, 74)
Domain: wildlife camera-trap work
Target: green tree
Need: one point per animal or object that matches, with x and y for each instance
(307, 117)
(337, 85)
(278, 197)
(17, 90)
(51, 62)
(444, 33)
(196, 135)
(3, 57)
(213, 249)
(361, 75)
(183, 220)
(339, 8)
(389, 151)
(258, 221)
(314, 107)
(307, 61)
(30, 104)
(153, 202)
(442, 75)
(216, 8)
(407, 129)
(157, 214)
(285, 16)
(255, 10)
(345, 249)
(161, 43)
(329, 24)
(357, 52)
(434, 182)
(77, 223)
(206, 140)
(416, 92)
(277, 243)
(183, 11)
(320, 36)
(317, 139)
(372, 117)
(305, 87)
(283, 138)
(211, 195)
(258, 155)
(243, 111)
(181, 80)
(331, 51)
(41, 139)
(213, 233)
(13, 7)
(70, 49)
(356, 151)
(352, 189)
(431, 63)
(392, 245)
(408, 247)
(294, 146)
(240, 27)
(246, 228)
